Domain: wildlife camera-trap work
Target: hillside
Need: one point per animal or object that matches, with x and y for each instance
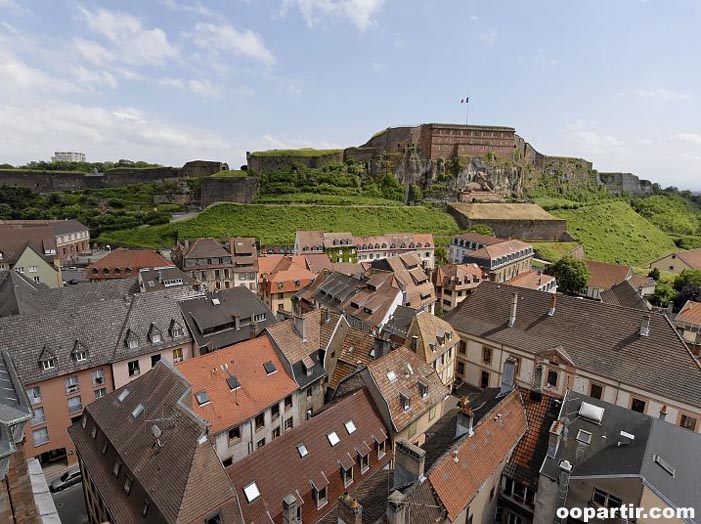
(614, 232)
(277, 224)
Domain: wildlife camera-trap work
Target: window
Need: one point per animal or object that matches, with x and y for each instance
(128, 483)
(333, 438)
(289, 424)
(32, 269)
(251, 492)
(74, 404)
(81, 356)
(601, 498)
(512, 518)
(461, 368)
(155, 359)
(364, 463)
(412, 429)
(552, 378)
(432, 413)
(321, 496)
(350, 427)
(36, 279)
(347, 475)
(276, 433)
(275, 411)
(202, 398)
(115, 469)
(34, 395)
(381, 449)
(302, 450)
(40, 436)
(688, 422)
(48, 364)
(38, 416)
(638, 405)
(310, 392)
(260, 443)
(234, 435)
(98, 377)
(133, 368)
(99, 393)
(260, 421)
(104, 447)
(144, 510)
(288, 402)
(176, 332)
(487, 355)
(596, 391)
(177, 355)
(71, 384)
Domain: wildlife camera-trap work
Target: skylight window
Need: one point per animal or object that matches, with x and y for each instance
(124, 394)
(350, 427)
(584, 436)
(138, 410)
(202, 398)
(664, 465)
(333, 438)
(269, 367)
(233, 383)
(302, 450)
(215, 302)
(391, 375)
(591, 412)
(251, 491)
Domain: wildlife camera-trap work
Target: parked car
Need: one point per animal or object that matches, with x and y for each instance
(70, 477)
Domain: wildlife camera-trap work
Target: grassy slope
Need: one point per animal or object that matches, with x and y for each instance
(305, 152)
(553, 251)
(672, 214)
(614, 232)
(320, 198)
(277, 224)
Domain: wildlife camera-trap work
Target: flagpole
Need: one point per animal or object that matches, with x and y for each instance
(467, 105)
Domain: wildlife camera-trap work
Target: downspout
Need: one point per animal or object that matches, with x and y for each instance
(9, 497)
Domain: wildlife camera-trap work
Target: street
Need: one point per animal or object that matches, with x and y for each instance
(71, 505)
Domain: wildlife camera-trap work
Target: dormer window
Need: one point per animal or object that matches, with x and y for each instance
(80, 352)
(423, 389)
(131, 340)
(47, 359)
(405, 402)
(176, 330)
(154, 334)
(308, 367)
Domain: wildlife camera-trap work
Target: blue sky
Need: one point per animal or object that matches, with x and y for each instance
(616, 82)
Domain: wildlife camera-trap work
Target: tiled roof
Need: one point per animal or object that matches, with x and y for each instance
(178, 471)
(205, 248)
(600, 338)
(690, 314)
(476, 458)
(278, 469)
(309, 241)
(395, 241)
(17, 295)
(372, 497)
(692, 257)
(603, 275)
(400, 372)
(435, 336)
(134, 259)
(477, 239)
(638, 281)
(164, 277)
(245, 361)
(359, 348)
(530, 452)
(336, 240)
(500, 249)
(530, 280)
(213, 325)
(623, 294)
(458, 276)
(15, 410)
(317, 262)
(60, 227)
(289, 274)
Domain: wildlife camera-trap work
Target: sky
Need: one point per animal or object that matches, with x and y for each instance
(617, 82)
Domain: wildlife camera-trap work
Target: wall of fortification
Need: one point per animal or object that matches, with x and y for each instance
(202, 168)
(625, 183)
(543, 230)
(229, 189)
(259, 164)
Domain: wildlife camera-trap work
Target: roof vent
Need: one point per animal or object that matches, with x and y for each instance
(664, 465)
(123, 395)
(591, 412)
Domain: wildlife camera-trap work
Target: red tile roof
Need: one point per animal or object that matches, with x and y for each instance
(259, 390)
(278, 469)
(476, 458)
(690, 314)
(604, 276)
(692, 257)
(288, 273)
(133, 259)
(530, 280)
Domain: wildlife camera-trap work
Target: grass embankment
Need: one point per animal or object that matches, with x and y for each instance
(277, 224)
(553, 251)
(322, 199)
(305, 152)
(614, 232)
(229, 173)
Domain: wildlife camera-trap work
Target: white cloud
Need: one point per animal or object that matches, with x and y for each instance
(17, 76)
(14, 8)
(131, 40)
(272, 142)
(294, 89)
(361, 13)
(171, 82)
(195, 8)
(589, 140)
(92, 51)
(662, 95)
(91, 77)
(489, 36)
(225, 38)
(129, 74)
(474, 17)
(204, 88)
(686, 138)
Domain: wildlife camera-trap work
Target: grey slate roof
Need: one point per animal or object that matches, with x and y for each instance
(213, 325)
(14, 410)
(678, 446)
(601, 338)
(624, 294)
(164, 277)
(16, 294)
(100, 327)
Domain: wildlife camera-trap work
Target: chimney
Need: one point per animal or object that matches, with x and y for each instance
(409, 463)
(508, 377)
(554, 437)
(300, 323)
(414, 343)
(465, 419)
(645, 327)
(237, 321)
(670, 309)
(289, 510)
(562, 485)
(536, 387)
(640, 291)
(326, 315)
(663, 412)
(396, 508)
(349, 510)
(514, 305)
(253, 327)
(553, 305)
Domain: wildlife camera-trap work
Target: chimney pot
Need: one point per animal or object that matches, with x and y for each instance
(663, 412)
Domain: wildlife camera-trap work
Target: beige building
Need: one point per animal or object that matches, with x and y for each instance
(453, 282)
(678, 261)
(504, 260)
(31, 252)
(436, 342)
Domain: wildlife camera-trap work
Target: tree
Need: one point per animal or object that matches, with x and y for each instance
(441, 255)
(572, 275)
(688, 287)
(415, 193)
(664, 292)
(654, 274)
(481, 229)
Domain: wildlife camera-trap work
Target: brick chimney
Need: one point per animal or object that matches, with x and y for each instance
(465, 419)
(553, 305)
(514, 306)
(349, 510)
(663, 412)
(396, 508)
(300, 323)
(536, 387)
(409, 463)
(289, 510)
(253, 327)
(554, 437)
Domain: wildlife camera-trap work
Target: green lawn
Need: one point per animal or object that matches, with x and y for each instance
(614, 232)
(277, 224)
(553, 251)
(238, 173)
(305, 152)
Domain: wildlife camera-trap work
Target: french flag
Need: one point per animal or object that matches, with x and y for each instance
(464, 100)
